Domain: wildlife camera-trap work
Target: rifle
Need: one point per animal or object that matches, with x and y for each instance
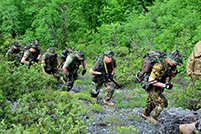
(30, 63)
(168, 74)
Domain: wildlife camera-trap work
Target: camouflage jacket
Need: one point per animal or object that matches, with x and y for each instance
(193, 66)
(50, 62)
(12, 50)
(72, 63)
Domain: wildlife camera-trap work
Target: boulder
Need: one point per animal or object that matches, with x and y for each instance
(170, 119)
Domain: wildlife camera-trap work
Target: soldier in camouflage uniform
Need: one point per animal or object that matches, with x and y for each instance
(156, 101)
(102, 70)
(71, 66)
(63, 56)
(29, 55)
(13, 49)
(51, 61)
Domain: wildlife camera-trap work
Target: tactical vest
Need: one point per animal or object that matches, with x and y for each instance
(50, 62)
(193, 66)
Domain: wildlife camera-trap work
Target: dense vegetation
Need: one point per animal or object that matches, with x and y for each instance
(129, 28)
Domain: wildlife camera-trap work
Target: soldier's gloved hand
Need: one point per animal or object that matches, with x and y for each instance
(105, 75)
(111, 76)
(168, 86)
(37, 60)
(84, 71)
(30, 60)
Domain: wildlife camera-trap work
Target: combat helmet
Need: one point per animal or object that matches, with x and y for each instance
(51, 51)
(109, 53)
(17, 44)
(80, 55)
(175, 57)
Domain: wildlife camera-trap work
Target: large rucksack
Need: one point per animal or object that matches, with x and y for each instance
(193, 62)
(151, 57)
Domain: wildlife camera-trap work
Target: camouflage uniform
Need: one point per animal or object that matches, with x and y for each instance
(98, 80)
(156, 101)
(72, 64)
(63, 57)
(51, 64)
(12, 50)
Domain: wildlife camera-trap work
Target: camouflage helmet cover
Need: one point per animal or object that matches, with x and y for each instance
(17, 44)
(80, 55)
(175, 57)
(109, 53)
(51, 51)
(34, 47)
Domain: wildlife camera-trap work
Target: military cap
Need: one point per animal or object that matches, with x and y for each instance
(80, 55)
(175, 57)
(34, 46)
(51, 51)
(17, 44)
(109, 53)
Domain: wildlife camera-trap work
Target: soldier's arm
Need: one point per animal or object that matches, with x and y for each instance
(39, 56)
(155, 73)
(84, 64)
(94, 68)
(43, 66)
(68, 61)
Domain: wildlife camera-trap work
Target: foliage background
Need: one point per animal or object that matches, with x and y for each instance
(129, 28)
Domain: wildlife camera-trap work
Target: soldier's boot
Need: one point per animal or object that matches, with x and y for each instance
(187, 128)
(150, 118)
(108, 103)
(64, 80)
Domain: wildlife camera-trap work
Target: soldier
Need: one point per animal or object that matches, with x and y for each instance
(51, 61)
(190, 128)
(102, 71)
(159, 79)
(29, 56)
(71, 66)
(63, 56)
(14, 34)
(193, 70)
(13, 49)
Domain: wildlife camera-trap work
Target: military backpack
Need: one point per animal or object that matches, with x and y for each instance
(149, 59)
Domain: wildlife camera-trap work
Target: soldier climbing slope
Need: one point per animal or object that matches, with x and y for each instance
(51, 61)
(71, 66)
(193, 70)
(155, 75)
(13, 49)
(102, 71)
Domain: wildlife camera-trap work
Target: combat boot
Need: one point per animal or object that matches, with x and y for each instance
(150, 118)
(108, 103)
(63, 79)
(187, 128)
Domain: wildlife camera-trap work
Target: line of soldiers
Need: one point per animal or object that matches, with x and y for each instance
(103, 70)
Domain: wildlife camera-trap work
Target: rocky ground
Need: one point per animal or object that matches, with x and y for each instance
(114, 120)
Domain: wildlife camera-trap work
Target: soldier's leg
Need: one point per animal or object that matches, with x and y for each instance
(110, 91)
(160, 102)
(97, 84)
(56, 74)
(70, 82)
(149, 106)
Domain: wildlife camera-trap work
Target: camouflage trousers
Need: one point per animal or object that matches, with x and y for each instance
(54, 72)
(156, 102)
(70, 80)
(98, 83)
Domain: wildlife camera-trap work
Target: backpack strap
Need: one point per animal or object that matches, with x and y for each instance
(106, 70)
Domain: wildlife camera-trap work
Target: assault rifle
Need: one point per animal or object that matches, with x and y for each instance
(166, 75)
